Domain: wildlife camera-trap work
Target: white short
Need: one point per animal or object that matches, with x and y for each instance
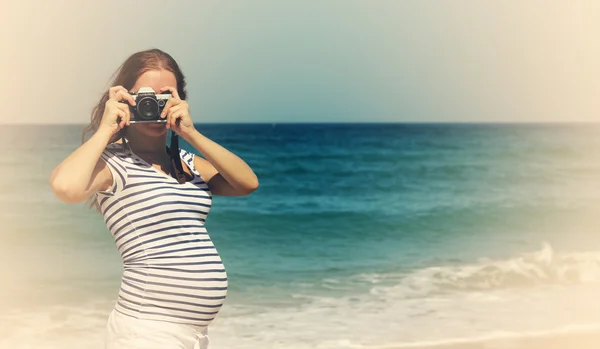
(126, 332)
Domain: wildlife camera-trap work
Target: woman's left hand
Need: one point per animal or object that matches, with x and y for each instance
(177, 113)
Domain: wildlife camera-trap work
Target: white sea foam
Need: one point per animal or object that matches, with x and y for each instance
(540, 292)
(542, 267)
(535, 293)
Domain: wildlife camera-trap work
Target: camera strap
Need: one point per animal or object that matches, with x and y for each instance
(176, 167)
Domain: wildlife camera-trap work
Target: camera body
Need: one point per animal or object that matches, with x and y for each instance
(148, 106)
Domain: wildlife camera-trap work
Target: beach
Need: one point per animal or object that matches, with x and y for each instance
(360, 236)
(575, 340)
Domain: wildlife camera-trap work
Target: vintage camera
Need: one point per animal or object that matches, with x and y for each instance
(148, 106)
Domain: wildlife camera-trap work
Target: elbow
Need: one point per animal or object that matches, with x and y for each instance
(253, 185)
(250, 186)
(64, 193)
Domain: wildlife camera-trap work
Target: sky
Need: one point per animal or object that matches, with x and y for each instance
(313, 61)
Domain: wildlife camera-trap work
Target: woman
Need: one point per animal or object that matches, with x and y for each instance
(174, 282)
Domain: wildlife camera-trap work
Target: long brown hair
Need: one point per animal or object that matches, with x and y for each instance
(127, 75)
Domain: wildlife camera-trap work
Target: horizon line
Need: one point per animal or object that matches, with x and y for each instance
(330, 123)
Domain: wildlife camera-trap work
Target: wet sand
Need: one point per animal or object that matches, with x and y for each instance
(579, 340)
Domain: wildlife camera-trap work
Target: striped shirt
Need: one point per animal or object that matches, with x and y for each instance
(171, 269)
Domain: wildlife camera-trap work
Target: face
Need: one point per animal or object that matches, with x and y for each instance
(156, 79)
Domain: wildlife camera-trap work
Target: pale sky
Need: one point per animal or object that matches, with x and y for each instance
(313, 61)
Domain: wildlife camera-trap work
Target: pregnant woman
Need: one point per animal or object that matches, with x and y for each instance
(155, 200)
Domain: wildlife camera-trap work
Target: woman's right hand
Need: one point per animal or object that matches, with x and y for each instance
(116, 114)
(84, 172)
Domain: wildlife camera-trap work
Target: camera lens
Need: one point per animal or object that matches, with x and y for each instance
(147, 108)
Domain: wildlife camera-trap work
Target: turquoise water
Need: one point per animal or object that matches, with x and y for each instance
(360, 236)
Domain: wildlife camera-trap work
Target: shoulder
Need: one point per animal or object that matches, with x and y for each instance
(116, 148)
(116, 151)
(112, 169)
(186, 155)
(199, 164)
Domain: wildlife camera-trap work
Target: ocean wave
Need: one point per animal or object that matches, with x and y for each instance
(542, 267)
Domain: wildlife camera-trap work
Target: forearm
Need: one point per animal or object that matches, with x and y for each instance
(231, 167)
(72, 176)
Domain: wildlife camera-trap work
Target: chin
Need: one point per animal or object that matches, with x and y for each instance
(152, 130)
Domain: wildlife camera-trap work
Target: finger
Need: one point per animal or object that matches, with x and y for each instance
(169, 121)
(173, 109)
(120, 113)
(170, 114)
(173, 91)
(165, 110)
(124, 107)
(117, 95)
(113, 91)
(120, 94)
(123, 95)
(128, 117)
(176, 116)
(172, 102)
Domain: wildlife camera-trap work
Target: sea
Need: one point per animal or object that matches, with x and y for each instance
(360, 236)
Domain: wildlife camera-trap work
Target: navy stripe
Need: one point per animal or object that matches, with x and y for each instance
(142, 265)
(178, 286)
(148, 208)
(139, 169)
(174, 219)
(117, 310)
(189, 256)
(176, 316)
(115, 168)
(174, 301)
(171, 308)
(112, 158)
(103, 201)
(174, 293)
(162, 237)
(153, 186)
(128, 300)
(188, 263)
(124, 234)
(132, 230)
(178, 250)
(145, 176)
(107, 218)
(127, 259)
(164, 187)
(124, 306)
(199, 183)
(164, 203)
(135, 220)
(133, 185)
(181, 243)
(176, 277)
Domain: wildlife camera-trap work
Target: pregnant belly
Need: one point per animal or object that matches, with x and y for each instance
(194, 291)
